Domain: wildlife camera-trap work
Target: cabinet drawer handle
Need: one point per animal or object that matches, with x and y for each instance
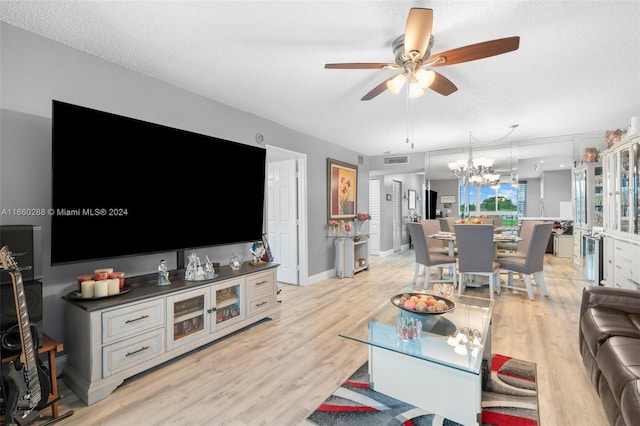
(262, 282)
(211, 310)
(261, 303)
(136, 319)
(618, 267)
(144, 348)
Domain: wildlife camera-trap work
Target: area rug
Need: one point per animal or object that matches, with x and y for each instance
(510, 399)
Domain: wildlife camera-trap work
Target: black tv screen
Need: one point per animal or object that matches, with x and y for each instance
(124, 187)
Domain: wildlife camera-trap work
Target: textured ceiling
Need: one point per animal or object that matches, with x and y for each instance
(577, 71)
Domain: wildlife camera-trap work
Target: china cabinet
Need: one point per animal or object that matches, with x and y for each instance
(622, 214)
(114, 338)
(588, 189)
(588, 204)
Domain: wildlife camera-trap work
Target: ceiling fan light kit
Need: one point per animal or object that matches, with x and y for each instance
(412, 52)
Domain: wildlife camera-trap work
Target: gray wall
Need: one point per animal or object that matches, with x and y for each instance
(557, 189)
(35, 70)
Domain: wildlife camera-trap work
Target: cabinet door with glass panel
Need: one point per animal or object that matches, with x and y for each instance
(580, 183)
(189, 312)
(598, 196)
(635, 194)
(624, 194)
(227, 304)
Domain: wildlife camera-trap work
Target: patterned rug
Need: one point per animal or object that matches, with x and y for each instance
(510, 399)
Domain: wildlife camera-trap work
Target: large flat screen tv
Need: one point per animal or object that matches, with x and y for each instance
(123, 187)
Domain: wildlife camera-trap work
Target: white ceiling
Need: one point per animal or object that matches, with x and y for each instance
(577, 71)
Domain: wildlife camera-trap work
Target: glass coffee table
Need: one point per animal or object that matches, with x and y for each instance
(443, 371)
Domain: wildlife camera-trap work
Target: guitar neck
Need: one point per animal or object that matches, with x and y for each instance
(28, 354)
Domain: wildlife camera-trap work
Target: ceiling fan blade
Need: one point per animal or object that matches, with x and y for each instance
(442, 85)
(474, 51)
(362, 66)
(376, 90)
(417, 32)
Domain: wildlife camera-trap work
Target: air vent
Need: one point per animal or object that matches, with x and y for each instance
(396, 160)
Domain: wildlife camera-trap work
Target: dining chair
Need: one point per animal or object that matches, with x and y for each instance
(423, 258)
(476, 255)
(530, 265)
(521, 245)
(430, 227)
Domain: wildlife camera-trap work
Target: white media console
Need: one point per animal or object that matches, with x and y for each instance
(111, 339)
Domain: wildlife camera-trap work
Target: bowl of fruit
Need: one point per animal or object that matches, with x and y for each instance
(423, 304)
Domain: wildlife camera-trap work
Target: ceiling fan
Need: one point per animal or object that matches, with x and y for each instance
(412, 52)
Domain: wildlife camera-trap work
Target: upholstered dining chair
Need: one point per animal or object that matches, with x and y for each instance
(476, 255)
(530, 265)
(497, 221)
(430, 227)
(429, 260)
(523, 244)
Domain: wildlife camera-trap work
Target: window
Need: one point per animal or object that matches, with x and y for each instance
(504, 200)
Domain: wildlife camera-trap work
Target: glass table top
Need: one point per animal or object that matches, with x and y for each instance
(443, 336)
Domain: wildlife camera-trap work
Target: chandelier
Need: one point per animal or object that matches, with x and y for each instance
(475, 171)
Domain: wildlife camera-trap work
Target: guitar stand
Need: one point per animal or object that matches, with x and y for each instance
(33, 418)
(54, 419)
(57, 419)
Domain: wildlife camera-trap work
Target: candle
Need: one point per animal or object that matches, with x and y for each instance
(120, 277)
(101, 288)
(100, 275)
(113, 286)
(87, 288)
(82, 278)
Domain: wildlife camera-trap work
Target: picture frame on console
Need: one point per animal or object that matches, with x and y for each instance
(342, 184)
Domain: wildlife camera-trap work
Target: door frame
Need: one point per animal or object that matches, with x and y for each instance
(277, 154)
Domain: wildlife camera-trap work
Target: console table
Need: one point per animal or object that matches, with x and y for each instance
(352, 254)
(111, 339)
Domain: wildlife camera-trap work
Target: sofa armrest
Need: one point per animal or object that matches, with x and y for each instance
(624, 299)
(621, 299)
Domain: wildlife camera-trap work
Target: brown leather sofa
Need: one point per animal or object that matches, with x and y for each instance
(609, 339)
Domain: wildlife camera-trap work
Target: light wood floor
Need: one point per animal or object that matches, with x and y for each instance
(277, 372)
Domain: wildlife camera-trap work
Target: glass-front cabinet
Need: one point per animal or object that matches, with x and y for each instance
(226, 302)
(203, 311)
(624, 192)
(579, 183)
(188, 313)
(589, 195)
(622, 214)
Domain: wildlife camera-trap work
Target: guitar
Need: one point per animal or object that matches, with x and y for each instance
(26, 379)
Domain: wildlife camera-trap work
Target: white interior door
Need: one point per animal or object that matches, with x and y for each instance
(282, 228)
(374, 211)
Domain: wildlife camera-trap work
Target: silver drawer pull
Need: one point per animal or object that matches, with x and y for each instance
(137, 319)
(262, 282)
(144, 348)
(260, 304)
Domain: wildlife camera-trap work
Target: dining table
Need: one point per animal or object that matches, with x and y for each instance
(498, 237)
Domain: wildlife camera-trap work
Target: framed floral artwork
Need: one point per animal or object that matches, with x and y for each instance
(342, 180)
